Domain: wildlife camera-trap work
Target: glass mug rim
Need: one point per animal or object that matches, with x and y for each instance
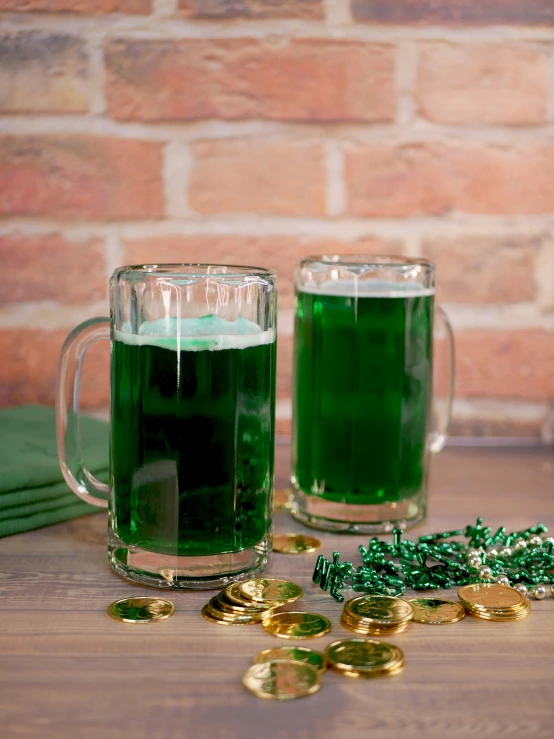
(369, 260)
(195, 270)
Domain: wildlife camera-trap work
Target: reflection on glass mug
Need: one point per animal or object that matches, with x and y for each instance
(363, 406)
(191, 422)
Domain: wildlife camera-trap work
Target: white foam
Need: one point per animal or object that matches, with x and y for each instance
(209, 333)
(368, 289)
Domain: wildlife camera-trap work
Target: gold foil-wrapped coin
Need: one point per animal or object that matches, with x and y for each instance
(436, 611)
(215, 611)
(270, 591)
(281, 680)
(295, 543)
(359, 627)
(380, 610)
(377, 615)
(494, 602)
(297, 654)
(141, 610)
(491, 595)
(224, 619)
(233, 594)
(296, 625)
(281, 499)
(224, 603)
(364, 658)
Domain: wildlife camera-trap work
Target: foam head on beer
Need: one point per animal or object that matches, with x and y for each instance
(209, 333)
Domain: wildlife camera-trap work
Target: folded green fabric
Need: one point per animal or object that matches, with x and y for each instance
(33, 492)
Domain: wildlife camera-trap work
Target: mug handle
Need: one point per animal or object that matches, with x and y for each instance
(68, 427)
(443, 381)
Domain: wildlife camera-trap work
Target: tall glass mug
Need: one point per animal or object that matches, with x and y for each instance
(363, 384)
(192, 422)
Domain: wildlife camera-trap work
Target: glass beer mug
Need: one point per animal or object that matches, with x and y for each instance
(191, 423)
(363, 407)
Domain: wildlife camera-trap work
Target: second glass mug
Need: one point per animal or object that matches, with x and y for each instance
(363, 406)
(191, 422)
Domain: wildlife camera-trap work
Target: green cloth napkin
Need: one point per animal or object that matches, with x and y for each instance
(33, 492)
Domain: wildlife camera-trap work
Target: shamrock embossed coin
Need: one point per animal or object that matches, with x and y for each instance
(296, 625)
(141, 610)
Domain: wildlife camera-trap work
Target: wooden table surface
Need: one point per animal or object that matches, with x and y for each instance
(68, 670)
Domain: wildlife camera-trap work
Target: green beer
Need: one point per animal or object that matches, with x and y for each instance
(362, 397)
(192, 416)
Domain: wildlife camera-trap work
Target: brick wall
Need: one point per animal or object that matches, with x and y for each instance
(258, 131)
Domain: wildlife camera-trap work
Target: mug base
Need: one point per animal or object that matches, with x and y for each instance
(314, 511)
(172, 572)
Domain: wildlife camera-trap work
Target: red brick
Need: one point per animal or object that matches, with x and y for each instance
(29, 365)
(50, 268)
(90, 7)
(432, 179)
(483, 270)
(222, 9)
(505, 364)
(278, 253)
(285, 346)
(43, 73)
(482, 83)
(455, 12)
(301, 79)
(283, 427)
(80, 177)
(286, 178)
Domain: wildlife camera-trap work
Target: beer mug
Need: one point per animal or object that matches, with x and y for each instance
(364, 417)
(191, 422)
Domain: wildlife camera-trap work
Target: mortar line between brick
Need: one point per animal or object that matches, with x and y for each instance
(177, 166)
(337, 13)
(163, 27)
(336, 193)
(96, 83)
(345, 229)
(212, 129)
(114, 251)
(550, 85)
(164, 8)
(407, 60)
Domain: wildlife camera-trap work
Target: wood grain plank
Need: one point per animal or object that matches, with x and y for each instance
(67, 670)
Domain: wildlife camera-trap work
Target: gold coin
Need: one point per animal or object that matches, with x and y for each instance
(281, 680)
(490, 595)
(141, 610)
(382, 610)
(375, 674)
(297, 654)
(495, 615)
(208, 614)
(226, 604)
(270, 591)
(364, 657)
(281, 499)
(358, 628)
(238, 618)
(499, 611)
(294, 543)
(436, 611)
(296, 625)
(232, 592)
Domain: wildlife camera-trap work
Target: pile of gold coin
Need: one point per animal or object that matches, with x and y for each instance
(377, 615)
(364, 658)
(249, 602)
(494, 602)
